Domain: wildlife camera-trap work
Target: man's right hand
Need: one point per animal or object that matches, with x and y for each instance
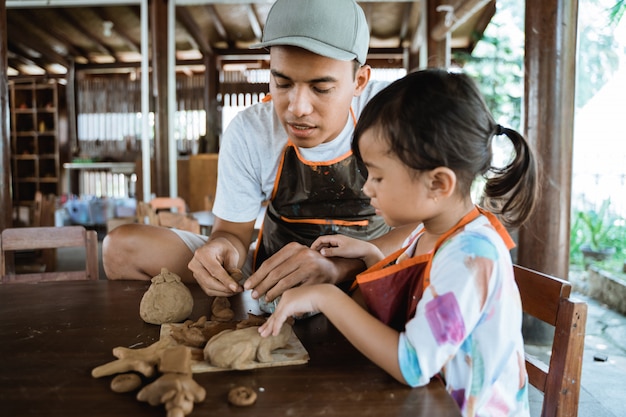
(212, 266)
(224, 254)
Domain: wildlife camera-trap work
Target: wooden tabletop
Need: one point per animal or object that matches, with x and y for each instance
(53, 334)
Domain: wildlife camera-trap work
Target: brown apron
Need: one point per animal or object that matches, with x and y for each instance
(393, 287)
(311, 199)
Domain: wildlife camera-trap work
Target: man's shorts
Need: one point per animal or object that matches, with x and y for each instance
(192, 240)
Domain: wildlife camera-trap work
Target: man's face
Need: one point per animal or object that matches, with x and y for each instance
(312, 94)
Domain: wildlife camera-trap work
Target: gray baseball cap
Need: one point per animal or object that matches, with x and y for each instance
(335, 29)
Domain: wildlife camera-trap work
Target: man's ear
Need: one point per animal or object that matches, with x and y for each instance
(361, 78)
(442, 182)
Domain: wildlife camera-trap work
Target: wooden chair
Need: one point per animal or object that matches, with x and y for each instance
(43, 215)
(149, 214)
(169, 203)
(547, 298)
(26, 238)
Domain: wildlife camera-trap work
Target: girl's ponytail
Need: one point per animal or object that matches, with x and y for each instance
(511, 191)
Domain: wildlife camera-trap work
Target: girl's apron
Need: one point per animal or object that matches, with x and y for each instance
(311, 199)
(392, 287)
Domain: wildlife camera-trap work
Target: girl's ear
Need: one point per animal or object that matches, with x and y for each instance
(442, 182)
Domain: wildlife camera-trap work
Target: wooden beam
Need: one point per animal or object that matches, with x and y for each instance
(29, 27)
(462, 11)
(192, 27)
(255, 25)
(438, 49)
(404, 28)
(6, 218)
(218, 24)
(118, 27)
(86, 31)
(38, 46)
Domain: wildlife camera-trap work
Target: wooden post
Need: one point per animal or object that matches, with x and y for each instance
(6, 219)
(213, 119)
(158, 28)
(437, 50)
(550, 64)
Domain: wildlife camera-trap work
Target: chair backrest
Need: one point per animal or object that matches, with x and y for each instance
(147, 214)
(168, 203)
(29, 238)
(547, 298)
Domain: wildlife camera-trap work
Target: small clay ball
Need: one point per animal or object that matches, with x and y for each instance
(167, 300)
(125, 383)
(242, 396)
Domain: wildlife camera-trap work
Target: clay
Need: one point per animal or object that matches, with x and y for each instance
(252, 320)
(176, 388)
(220, 309)
(125, 383)
(138, 360)
(237, 349)
(167, 300)
(123, 365)
(242, 396)
(196, 334)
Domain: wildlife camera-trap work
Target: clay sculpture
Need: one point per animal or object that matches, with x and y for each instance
(176, 388)
(238, 349)
(167, 300)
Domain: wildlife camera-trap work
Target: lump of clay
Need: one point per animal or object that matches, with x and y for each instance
(238, 349)
(167, 300)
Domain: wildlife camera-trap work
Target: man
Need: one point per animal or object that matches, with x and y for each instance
(293, 151)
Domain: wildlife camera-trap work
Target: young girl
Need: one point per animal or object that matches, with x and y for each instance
(447, 303)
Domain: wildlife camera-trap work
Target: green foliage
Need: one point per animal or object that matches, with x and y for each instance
(497, 63)
(598, 53)
(617, 11)
(598, 230)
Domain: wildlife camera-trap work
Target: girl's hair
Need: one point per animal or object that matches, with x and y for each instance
(434, 118)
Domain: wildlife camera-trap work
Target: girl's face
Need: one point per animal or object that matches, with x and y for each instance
(312, 94)
(398, 193)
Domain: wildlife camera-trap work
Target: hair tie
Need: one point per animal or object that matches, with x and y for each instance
(499, 130)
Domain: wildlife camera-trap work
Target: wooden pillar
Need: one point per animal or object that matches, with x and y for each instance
(550, 64)
(159, 50)
(6, 218)
(213, 117)
(437, 50)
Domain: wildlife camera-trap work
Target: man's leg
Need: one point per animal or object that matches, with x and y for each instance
(139, 251)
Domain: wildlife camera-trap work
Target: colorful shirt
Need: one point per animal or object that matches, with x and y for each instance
(467, 326)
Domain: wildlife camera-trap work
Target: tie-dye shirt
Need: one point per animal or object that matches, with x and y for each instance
(467, 326)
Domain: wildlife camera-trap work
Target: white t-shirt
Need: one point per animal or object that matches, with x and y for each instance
(250, 153)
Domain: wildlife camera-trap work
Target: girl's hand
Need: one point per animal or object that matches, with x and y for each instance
(293, 302)
(347, 247)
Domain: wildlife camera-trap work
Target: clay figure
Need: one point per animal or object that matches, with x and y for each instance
(237, 349)
(167, 300)
(176, 388)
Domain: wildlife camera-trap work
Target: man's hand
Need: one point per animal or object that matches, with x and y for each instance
(212, 265)
(296, 264)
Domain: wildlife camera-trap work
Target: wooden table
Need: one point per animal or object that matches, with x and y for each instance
(53, 334)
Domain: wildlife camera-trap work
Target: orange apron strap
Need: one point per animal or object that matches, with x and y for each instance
(504, 234)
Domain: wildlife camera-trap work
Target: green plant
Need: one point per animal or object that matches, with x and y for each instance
(597, 231)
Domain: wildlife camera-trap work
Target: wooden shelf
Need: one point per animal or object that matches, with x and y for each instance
(35, 137)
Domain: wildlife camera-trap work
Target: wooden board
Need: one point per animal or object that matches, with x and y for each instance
(293, 353)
